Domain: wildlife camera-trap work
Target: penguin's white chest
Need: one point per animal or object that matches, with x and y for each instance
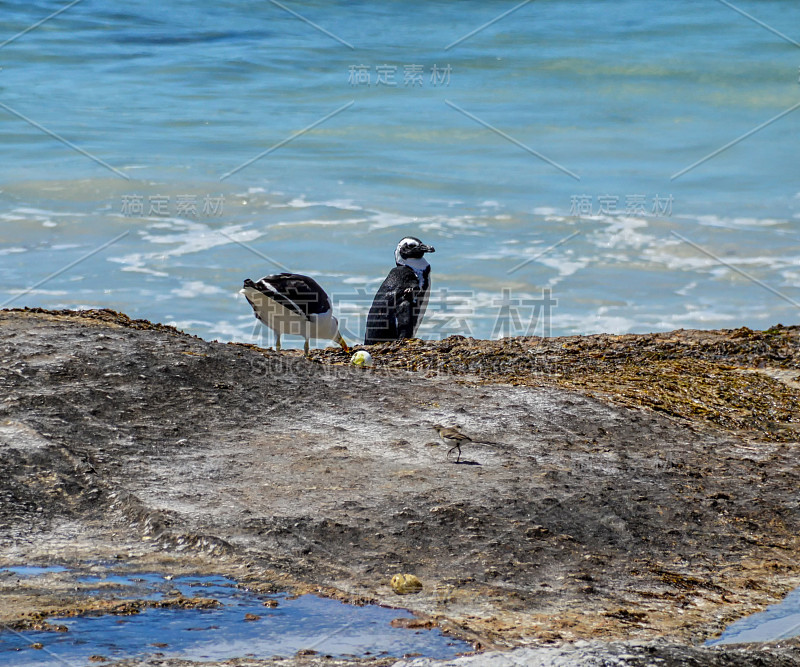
(418, 266)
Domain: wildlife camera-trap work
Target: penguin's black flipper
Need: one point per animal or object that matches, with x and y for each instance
(406, 309)
(393, 314)
(381, 326)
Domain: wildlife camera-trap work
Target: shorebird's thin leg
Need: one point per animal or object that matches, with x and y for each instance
(305, 347)
(458, 447)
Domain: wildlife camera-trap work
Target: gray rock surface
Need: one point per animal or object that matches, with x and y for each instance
(571, 517)
(622, 654)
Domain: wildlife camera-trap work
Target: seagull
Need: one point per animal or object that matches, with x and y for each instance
(452, 437)
(289, 303)
(401, 299)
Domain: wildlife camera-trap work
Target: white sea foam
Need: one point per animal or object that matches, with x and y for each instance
(505, 252)
(190, 237)
(621, 232)
(563, 260)
(194, 288)
(564, 265)
(357, 280)
(301, 202)
(638, 320)
(134, 268)
(12, 250)
(733, 223)
(321, 223)
(40, 212)
(197, 237)
(791, 278)
(696, 317)
(135, 262)
(225, 330)
(382, 220)
(37, 292)
(461, 225)
(667, 254)
(592, 323)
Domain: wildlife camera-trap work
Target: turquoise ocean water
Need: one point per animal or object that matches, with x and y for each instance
(581, 166)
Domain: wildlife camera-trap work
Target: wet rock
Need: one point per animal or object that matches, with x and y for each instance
(403, 584)
(413, 623)
(663, 467)
(623, 654)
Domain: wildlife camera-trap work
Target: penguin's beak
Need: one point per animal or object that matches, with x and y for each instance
(427, 248)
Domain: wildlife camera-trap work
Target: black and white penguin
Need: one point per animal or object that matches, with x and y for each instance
(401, 300)
(289, 303)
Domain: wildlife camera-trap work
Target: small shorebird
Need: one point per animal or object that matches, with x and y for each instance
(452, 437)
(402, 298)
(289, 303)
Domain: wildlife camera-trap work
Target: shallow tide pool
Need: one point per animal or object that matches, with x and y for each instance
(307, 622)
(778, 621)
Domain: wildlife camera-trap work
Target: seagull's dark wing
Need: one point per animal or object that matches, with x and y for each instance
(295, 292)
(394, 311)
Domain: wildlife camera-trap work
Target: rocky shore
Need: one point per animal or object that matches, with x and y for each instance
(634, 494)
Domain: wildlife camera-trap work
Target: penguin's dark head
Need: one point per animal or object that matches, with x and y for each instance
(411, 248)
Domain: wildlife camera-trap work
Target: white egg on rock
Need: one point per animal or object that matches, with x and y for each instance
(362, 358)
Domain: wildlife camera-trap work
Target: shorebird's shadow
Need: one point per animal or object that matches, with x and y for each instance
(465, 463)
